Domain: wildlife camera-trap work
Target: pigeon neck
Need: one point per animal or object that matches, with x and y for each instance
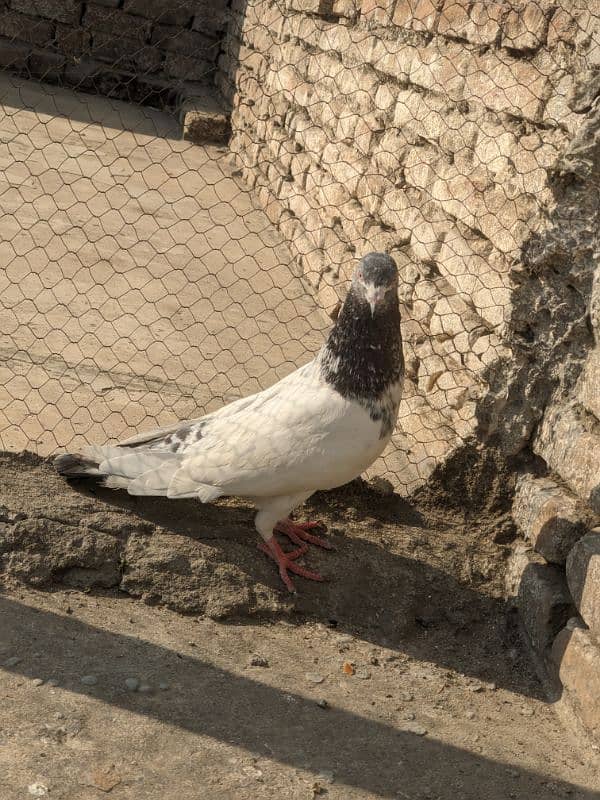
(363, 353)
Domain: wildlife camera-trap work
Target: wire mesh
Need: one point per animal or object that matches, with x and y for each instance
(147, 278)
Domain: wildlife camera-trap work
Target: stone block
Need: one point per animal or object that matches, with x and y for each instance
(324, 7)
(588, 387)
(188, 43)
(25, 29)
(507, 85)
(379, 11)
(572, 451)
(60, 10)
(203, 120)
(441, 70)
(187, 68)
(454, 19)
(72, 41)
(583, 578)
(548, 516)
(524, 27)
(419, 15)
(167, 12)
(116, 23)
(576, 656)
(210, 19)
(544, 603)
(126, 54)
(13, 54)
(47, 66)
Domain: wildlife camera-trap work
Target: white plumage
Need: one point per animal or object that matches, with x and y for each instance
(318, 428)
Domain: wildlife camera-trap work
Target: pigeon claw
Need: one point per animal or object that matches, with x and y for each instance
(298, 532)
(286, 562)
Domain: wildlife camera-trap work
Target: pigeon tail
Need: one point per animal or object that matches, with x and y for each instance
(76, 465)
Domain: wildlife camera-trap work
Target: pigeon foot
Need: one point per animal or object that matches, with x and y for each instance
(286, 561)
(298, 532)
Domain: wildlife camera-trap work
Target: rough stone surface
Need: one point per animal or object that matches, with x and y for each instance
(583, 577)
(544, 603)
(549, 517)
(423, 144)
(158, 44)
(576, 656)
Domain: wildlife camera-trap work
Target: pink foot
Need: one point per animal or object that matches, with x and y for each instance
(285, 562)
(298, 533)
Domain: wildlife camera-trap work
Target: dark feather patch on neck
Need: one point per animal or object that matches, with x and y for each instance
(363, 354)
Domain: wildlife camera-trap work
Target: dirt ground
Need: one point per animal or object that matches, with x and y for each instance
(147, 650)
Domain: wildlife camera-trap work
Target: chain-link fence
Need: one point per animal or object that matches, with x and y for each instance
(147, 277)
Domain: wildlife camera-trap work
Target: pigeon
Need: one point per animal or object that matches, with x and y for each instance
(318, 428)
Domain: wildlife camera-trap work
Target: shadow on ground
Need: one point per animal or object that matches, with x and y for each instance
(393, 578)
(261, 719)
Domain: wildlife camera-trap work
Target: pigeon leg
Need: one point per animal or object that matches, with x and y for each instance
(285, 562)
(298, 532)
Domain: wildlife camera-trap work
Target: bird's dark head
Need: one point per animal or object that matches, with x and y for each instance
(375, 281)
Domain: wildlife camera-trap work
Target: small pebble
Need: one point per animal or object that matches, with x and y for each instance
(527, 712)
(37, 789)
(89, 680)
(325, 776)
(145, 688)
(475, 687)
(409, 716)
(363, 674)
(259, 661)
(37, 681)
(314, 677)
(407, 696)
(132, 684)
(163, 686)
(323, 704)
(414, 727)
(52, 682)
(470, 715)
(12, 662)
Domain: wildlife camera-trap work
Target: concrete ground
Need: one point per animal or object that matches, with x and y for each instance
(139, 284)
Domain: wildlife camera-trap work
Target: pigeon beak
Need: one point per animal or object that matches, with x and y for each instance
(374, 295)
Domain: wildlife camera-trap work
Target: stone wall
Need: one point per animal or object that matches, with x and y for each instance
(463, 137)
(428, 128)
(556, 569)
(149, 51)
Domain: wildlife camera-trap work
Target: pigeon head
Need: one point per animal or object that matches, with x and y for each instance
(375, 281)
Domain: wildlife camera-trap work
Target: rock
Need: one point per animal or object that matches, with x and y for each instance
(89, 680)
(144, 688)
(382, 486)
(470, 715)
(544, 602)
(323, 704)
(363, 673)
(12, 661)
(314, 677)
(37, 682)
(37, 789)
(413, 727)
(549, 517)
(103, 778)
(163, 686)
(583, 578)
(259, 661)
(576, 659)
(132, 684)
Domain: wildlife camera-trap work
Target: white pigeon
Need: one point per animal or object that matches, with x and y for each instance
(317, 428)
